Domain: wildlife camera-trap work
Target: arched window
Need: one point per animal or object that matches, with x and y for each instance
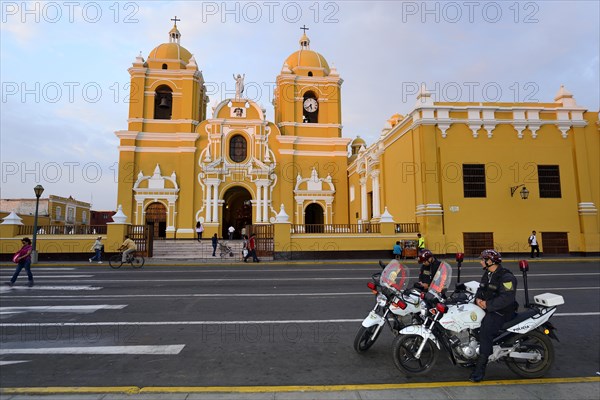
(164, 66)
(310, 108)
(163, 102)
(238, 148)
(310, 73)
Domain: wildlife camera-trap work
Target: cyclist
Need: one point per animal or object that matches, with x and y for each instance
(129, 247)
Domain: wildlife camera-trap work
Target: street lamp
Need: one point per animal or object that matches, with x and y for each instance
(39, 189)
(523, 192)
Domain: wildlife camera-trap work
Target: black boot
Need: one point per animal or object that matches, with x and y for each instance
(478, 373)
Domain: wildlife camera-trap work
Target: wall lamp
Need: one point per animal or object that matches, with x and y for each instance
(523, 192)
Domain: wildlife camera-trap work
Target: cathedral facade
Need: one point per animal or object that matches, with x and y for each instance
(458, 170)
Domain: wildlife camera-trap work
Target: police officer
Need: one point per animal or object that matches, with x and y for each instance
(429, 266)
(496, 295)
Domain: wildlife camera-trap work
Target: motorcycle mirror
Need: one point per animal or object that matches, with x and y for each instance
(381, 264)
(523, 265)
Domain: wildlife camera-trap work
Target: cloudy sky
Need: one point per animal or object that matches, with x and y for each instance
(64, 67)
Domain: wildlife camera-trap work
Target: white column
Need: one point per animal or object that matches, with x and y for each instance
(375, 183)
(258, 202)
(265, 209)
(208, 202)
(215, 200)
(363, 199)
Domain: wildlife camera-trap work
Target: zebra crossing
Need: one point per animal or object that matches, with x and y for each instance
(16, 344)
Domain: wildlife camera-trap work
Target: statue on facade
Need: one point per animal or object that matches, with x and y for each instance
(239, 85)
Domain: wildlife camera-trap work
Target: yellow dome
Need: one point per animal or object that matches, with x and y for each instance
(305, 58)
(170, 51)
(358, 142)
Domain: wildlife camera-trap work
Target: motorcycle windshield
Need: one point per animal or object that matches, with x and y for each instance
(441, 279)
(395, 276)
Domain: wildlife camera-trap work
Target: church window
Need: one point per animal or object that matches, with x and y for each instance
(238, 148)
(58, 213)
(163, 102)
(310, 73)
(474, 180)
(164, 66)
(549, 181)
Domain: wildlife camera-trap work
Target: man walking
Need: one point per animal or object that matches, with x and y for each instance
(534, 244)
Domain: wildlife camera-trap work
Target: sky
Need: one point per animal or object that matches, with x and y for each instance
(64, 66)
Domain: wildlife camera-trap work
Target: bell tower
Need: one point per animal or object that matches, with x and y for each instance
(308, 113)
(157, 152)
(167, 90)
(307, 97)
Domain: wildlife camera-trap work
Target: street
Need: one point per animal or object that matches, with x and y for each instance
(243, 325)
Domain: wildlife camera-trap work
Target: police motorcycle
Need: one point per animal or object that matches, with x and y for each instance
(452, 325)
(395, 306)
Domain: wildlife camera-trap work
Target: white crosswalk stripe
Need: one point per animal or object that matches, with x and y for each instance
(87, 309)
(163, 349)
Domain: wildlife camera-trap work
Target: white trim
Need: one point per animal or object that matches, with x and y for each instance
(158, 149)
(312, 153)
(313, 140)
(307, 125)
(162, 121)
(168, 137)
(587, 208)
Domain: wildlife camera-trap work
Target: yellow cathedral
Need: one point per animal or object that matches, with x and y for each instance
(467, 175)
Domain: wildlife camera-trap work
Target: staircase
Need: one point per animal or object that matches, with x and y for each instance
(192, 250)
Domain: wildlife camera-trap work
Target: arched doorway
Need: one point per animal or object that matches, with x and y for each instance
(156, 219)
(237, 211)
(314, 218)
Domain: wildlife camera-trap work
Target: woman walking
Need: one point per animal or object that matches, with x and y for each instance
(199, 230)
(23, 258)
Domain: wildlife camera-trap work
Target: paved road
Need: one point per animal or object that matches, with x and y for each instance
(241, 325)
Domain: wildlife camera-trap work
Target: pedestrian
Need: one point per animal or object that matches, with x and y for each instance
(215, 241)
(420, 243)
(496, 295)
(397, 251)
(199, 230)
(23, 258)
(231, 230)
(245, 250)
(97, 247)
(252, 249)
(534, 244)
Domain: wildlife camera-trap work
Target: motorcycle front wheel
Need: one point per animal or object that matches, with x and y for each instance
(364, 338)
(535, 343)
(404, 348)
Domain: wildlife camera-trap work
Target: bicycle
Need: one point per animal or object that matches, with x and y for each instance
(136, 261)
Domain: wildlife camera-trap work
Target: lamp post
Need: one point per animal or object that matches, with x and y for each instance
(39, 189)
(523, 192)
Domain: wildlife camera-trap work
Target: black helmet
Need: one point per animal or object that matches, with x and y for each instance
(424, 255)
(491, 254)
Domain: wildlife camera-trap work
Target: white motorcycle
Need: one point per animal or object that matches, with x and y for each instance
(394, 306)
(452, 325)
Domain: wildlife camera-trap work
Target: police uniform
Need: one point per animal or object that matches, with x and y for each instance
(428, 272)
(498, 289)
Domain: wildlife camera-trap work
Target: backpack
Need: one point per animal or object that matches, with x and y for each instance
(529, 240)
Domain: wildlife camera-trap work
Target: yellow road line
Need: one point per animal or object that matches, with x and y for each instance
(273, 389)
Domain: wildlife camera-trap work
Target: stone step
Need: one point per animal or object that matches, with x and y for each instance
(194, 250)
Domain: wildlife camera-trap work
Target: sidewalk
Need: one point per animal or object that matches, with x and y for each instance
(154, 261)
(586, 388)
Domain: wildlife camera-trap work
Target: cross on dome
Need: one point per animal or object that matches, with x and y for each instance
(174, 34)
(304, 40)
